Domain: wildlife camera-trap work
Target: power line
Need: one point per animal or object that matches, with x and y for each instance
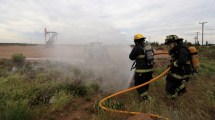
(211, 33)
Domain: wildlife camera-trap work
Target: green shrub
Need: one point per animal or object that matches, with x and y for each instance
(94, 87)
(40, 94)
(15, 79)
(41, 77)
(76, 88)
(16, 110)
(18, 58)
(113, 104)
(3, 73)
(60, 100)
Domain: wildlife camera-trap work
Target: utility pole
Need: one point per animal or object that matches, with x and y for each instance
(197, 39)
(202, 30)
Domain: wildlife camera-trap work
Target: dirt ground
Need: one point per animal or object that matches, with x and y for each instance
(29, 51)
(35, 51)
(66, 50)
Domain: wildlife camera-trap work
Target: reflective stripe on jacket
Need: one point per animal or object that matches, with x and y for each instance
(179, 76)
(181, 58)
(143, 70)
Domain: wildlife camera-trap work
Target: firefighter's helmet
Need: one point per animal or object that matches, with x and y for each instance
(139, 36)
(172, 38)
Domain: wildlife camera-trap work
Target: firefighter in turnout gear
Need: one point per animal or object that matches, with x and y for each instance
(180, 67)
(143, 71)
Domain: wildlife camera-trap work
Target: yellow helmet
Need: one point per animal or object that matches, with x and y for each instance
(138, 36)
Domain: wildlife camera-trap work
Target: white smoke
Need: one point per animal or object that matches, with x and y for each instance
(110, 63)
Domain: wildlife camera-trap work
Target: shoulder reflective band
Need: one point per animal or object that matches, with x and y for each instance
(178, 76)
(141, 56)
(143, 71)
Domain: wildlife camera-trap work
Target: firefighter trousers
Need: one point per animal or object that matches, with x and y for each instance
(174, 86)
(140, 78)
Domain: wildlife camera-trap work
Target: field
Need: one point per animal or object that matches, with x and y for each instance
(35, 51)
(67, 82)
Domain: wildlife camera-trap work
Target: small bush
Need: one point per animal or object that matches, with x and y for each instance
(16, 110)
(77, 89)
(41, 77)
(60, 100)
(18, 58)
(3, 73)
(113, 104)
(94, 87)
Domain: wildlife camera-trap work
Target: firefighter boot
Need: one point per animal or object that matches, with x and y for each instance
(144, 96)
(171, 96)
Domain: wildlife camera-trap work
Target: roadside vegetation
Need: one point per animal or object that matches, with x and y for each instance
(31, 90)
(51, 90)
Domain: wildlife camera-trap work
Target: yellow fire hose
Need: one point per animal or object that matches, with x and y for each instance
(130, 89)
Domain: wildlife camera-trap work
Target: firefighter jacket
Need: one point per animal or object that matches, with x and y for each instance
(138, 55)
(180, 63)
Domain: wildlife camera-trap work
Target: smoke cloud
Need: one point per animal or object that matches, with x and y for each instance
(109, 63)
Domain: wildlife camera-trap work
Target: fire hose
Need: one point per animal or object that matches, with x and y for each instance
(133, 88)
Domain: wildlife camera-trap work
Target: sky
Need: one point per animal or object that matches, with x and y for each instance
(107, 21)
